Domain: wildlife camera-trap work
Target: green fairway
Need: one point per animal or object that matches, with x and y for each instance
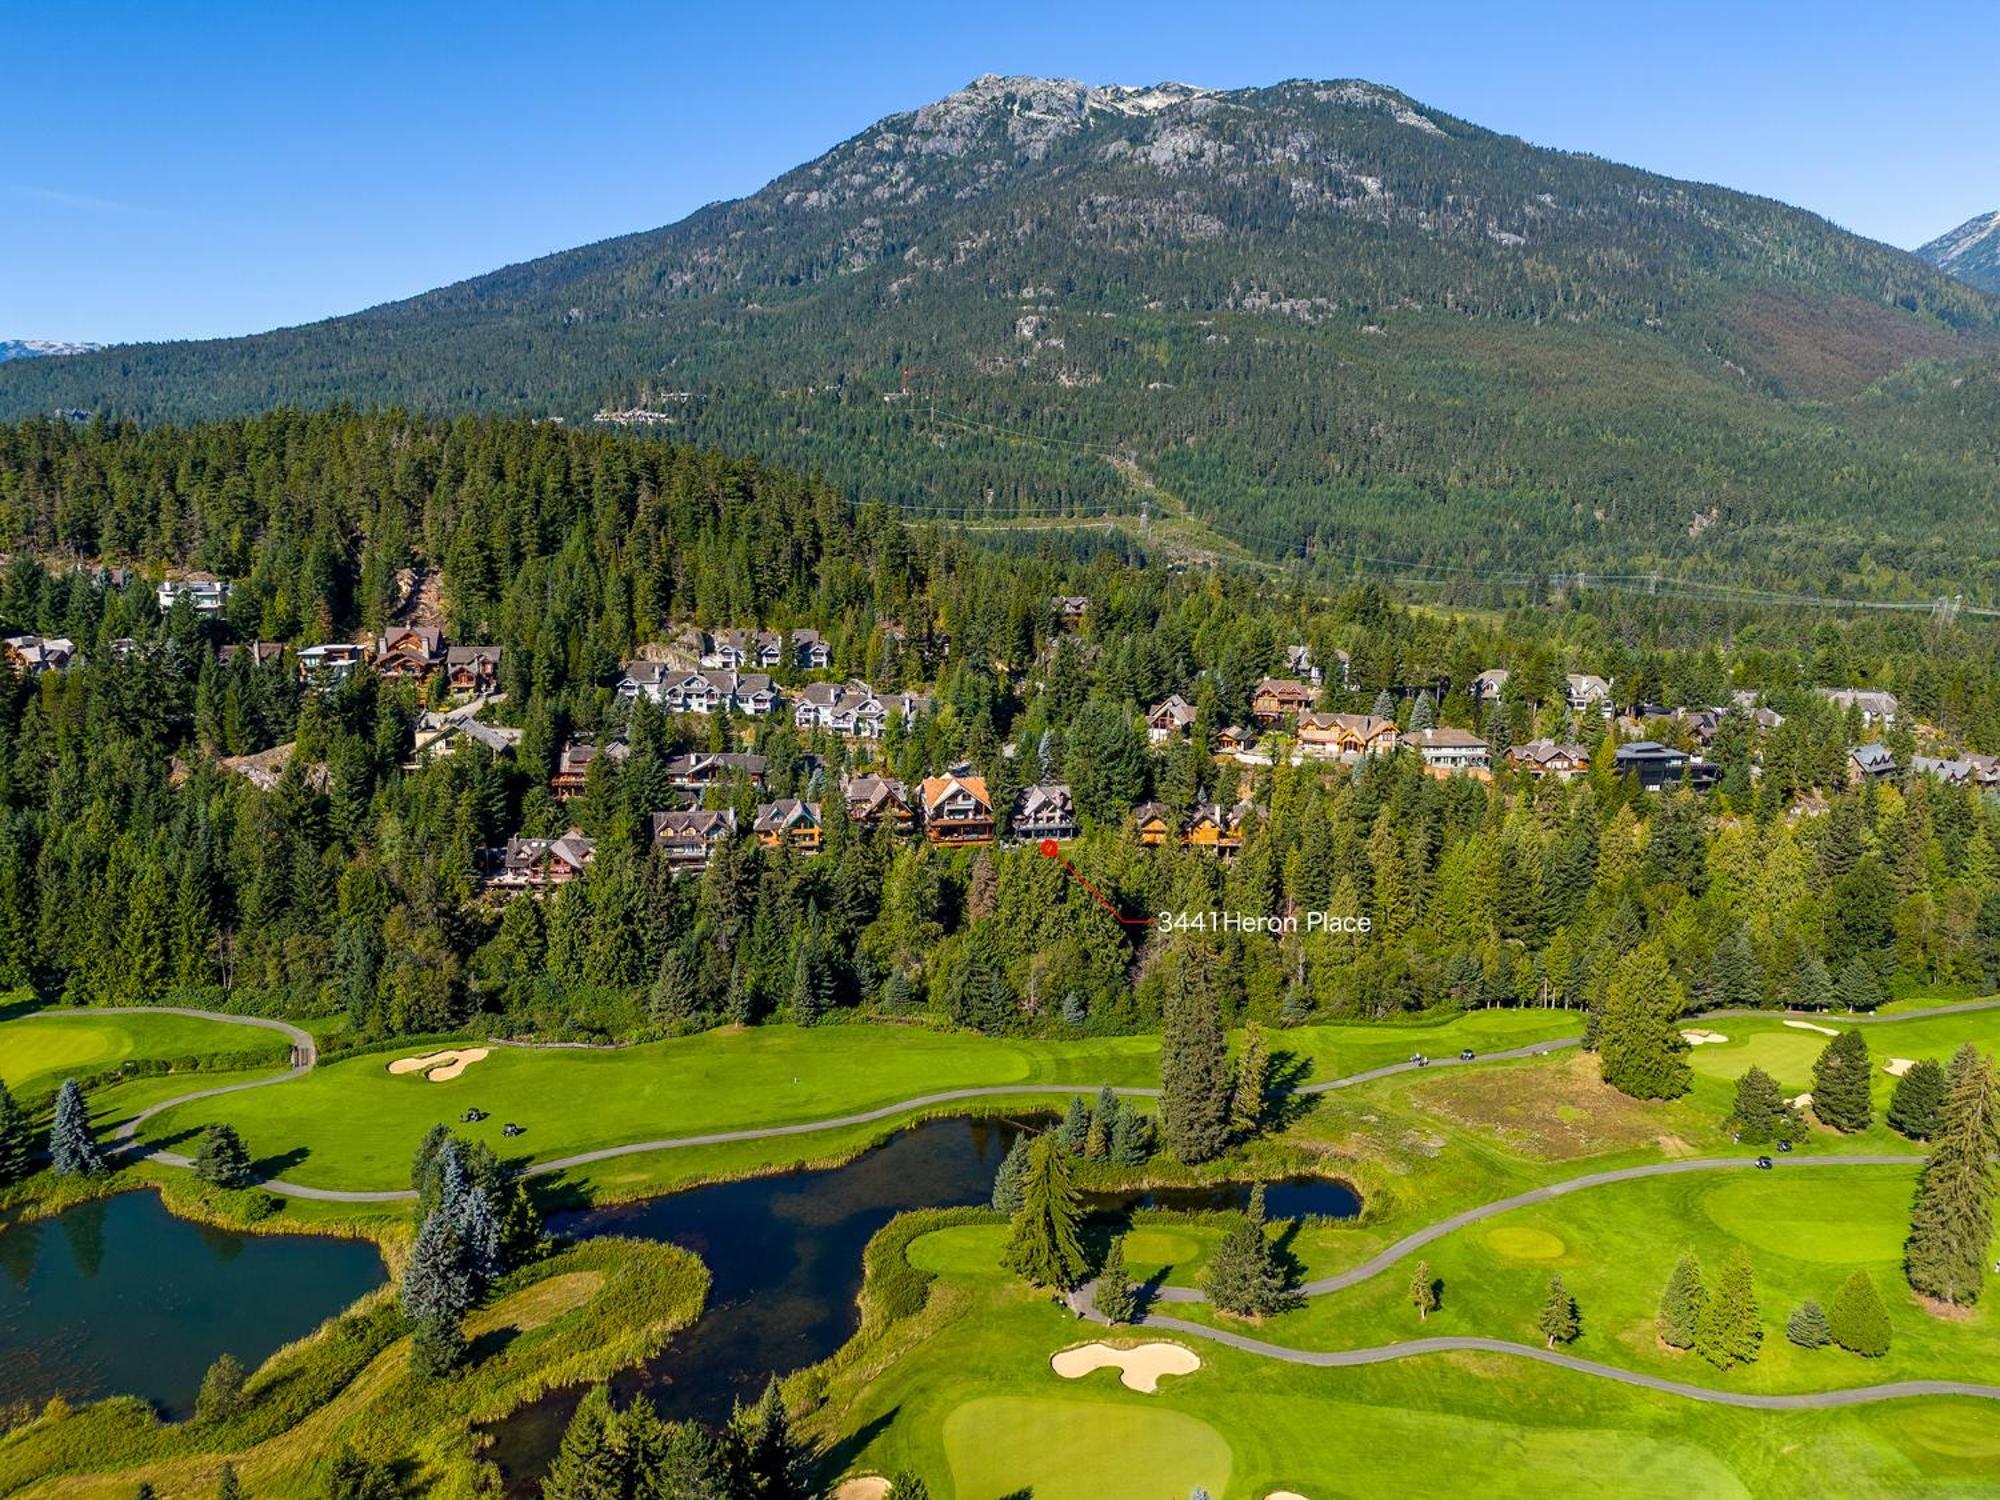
(1787, 1051)
(39, 1049)
(1081, 1450)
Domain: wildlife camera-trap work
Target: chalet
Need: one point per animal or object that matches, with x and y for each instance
(1299, 663)
(1878, 709)
(1345, 737)
(1234, 739)
(536, 864)
(472, 670)
(716, 692)
(1871, 762)
(1558, 758)
(698, 772)
(789, 821)
(1448, 751)
(1070, 608)
(34, 654)
(1966, 770)
(1584, 691)
(874, 800)
(324, 666)
(642, 679)
(1170, 719)
(738, 650)
(810, 652)
(259, 652)
(1280, 698)
(853, 710)
(956, 810)
(439, 735)
(574, 763)
(1045, 812)
(688, 840)
(1154, 823)
(409, 652)
(1216, 830)
(207, 594)
(1490, 684)
(1656, 766)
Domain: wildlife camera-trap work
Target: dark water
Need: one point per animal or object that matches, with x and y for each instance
(785, 1254)
(120, 1297)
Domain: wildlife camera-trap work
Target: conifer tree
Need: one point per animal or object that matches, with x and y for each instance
(1808, 1327)
(1245, 1276)
(1117, 1299)
(588, 1464)
(17, 1140)
(1075, 1127)
(72, 1146)
(1640, 1049)
(1812, 987)
(222, 1160)
(1194, 1069)
(1253, 1080)
(1951, 1224)
(1761, 1114)
(693, 1465)
(1841, 1083)
(1009, 1181)
(773, 1462)
(1559, 1321)
(1859, 1322)
(1044, 1246)
(229, 1487)
(1424, 1290)
(1131, 1139)
(1917, 1108)
(1682, 1304)
(437, 1346)
(905, 1485)
(1728, 1333)
(1733, 977)
(1858, 988)
(437, 1280)
(221, 1393)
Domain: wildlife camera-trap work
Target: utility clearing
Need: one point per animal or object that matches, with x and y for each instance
(1139, 1368)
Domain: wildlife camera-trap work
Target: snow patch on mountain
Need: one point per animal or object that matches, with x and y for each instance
(42, 348)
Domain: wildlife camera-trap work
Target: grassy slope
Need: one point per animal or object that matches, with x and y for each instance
(38, 1051)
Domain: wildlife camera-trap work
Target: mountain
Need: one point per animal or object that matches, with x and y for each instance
(1970, 252)
(1319, 315)
(41, 348)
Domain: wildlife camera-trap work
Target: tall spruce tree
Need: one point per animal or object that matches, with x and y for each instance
(1244, 1275)
(72, 1145)
(1841, 1083)
(1761, 1114)
(1860, 1323)
(1812, 986)
(1075, 1127)
(1682, 1304)
(1640, 1050)
(1808, 1327)
(1857, 987)
(1044, 1246)
(774, 1463)
(1559, 1321)
(1009, 1181)
(1733, 977)
(1194, 1063)
(1116, 1298)
(17, 1139)
(1728, 1332)
(1917, 1108)
(1253, 1080)
(222, 1159)
(1951, 1223)
(589, 1464)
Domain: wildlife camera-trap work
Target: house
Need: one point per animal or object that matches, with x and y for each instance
(810, 652)
(1870, 762)
(259, 652)
(439, 735)
(1448, 751)
(1966, 770)
(208, 594)
(641, 679)
(1346, 737)
(956, 810)
(698, 772)
(714, 692)
(1045, 812)
(1235, 739)
(536, 864)
(1299, 663)
(1069, 608)
(472, 671)
(324, 666)
(1489, 685)
(1279, 698)
(789, 821)
(1218, 831)
(33, 654)
(736, 650)
(853, 710)
(1153, 823)
(409, 652)
(1878, 709)
(1170, 719)
(1561, 759)
(1586, 690)
(688, 840)
(874, 800)
(574, 763)
(1656, 766)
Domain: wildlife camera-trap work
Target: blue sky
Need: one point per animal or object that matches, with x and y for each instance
(175, 171)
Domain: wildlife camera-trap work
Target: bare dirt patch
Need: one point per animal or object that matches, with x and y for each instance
(1554, 1111)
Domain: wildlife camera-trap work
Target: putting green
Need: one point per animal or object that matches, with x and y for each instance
(1081, 1450)
(1150, 1249)
(1519, 1242)
(1848, 1224)
(1962, 1430)
(1786, 1055)
(962, 1250)
(39, 1050)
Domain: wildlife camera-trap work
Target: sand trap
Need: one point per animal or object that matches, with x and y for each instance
(867, 1487)
(1896, 1067)
(1139, 1368)
(1812, 1026)
(1702, 1038)
(1284, 1495)
(439, 1067)
(1804, 1101)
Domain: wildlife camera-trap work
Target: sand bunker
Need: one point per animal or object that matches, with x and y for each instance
(1804, 1101)
(1284, 1495)
(1896, 1067)
(1702, 1038)
(439, 1067)
(1812, 1026)
(867, 1487)
(1139, 1368)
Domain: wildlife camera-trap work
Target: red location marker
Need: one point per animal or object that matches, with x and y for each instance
(1051, 848)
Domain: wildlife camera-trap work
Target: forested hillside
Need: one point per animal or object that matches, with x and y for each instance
(1319, 315)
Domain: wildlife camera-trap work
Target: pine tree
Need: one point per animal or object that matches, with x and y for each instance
(1009, 1181)
(693, 1465)
(1131, 1139)
(1728, 1333)
(229, 1487)
(221, 1393)
(1841, 1083)
(1682, 1304)
(72, 1146)
(1761, 1114)
(17, 1140)
(1117, 1299)
(1075, 1127)
(1951, 1224)
(1860, 1323)
(437, 1281)
(1044, 1246)
(221, 1160)
(437, 1346)
(1734, 980)
(904, 1485)
(1858, 988)
(1807, 1327)
(675, 995)
(1559, 1322)
(588, 1464)
(1640, 1049)
(1253, 1081)
(773, 1461)
(1194, 1069)
(1245, 1276)
(1812, 986)
(1424, 1290)
(352, 1477)
(1917, 1108)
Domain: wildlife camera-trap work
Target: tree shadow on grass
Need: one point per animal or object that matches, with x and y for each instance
(1284, 1105)
(276, 1165)
(840, 1456)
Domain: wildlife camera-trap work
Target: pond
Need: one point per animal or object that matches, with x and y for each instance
(785, 1253)
(118, 1296)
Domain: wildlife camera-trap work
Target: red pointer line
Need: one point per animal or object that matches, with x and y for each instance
(1054, 851)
